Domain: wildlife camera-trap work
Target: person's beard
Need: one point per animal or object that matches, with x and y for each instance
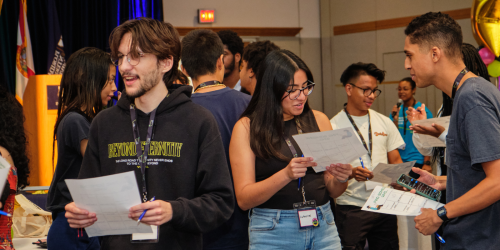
(150, 81)
(230, 68)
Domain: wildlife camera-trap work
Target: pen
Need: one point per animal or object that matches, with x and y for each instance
(363, 165)
(143, 213)
(4, 213)
(300, 179)
(440, 238)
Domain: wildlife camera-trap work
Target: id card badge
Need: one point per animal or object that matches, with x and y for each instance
(146, 237)
(307, 214)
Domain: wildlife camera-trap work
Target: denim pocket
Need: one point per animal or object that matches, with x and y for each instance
(261, 223)
(328, 216)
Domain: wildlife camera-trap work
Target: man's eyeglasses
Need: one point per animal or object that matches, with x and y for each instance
(368, 92)
(295, 93)
(132, 60)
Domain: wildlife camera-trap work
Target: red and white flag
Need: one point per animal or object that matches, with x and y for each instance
(24, 57)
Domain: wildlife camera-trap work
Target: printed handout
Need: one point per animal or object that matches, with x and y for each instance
(391, 201)
(428, 140)
(389, 173)
(330, 147)
(110, 198)
(4, 172)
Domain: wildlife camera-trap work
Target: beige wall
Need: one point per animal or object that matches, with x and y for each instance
(325, 54)
(262, 13)
(382, 47)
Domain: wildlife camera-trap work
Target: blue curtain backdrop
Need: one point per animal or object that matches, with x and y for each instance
(83, 23)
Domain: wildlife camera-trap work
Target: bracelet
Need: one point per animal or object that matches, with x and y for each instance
(344, 181)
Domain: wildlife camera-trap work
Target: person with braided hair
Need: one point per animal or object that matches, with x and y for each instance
(13, 145)
(475, 64)
(433, 57)
(253, 55)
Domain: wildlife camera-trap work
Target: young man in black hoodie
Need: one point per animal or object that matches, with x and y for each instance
(203, 60)
(185, 167)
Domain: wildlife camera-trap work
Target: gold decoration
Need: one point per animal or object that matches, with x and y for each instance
(485, 19)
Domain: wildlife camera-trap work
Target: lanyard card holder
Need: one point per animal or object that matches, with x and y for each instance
(146, 237)
(306, 212)
(308, 216)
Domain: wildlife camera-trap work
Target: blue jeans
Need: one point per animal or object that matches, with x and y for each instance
(279, 229)
(62, 236)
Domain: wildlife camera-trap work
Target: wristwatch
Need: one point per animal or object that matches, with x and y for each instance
(442, 214)
(344, 181)
(427, 163)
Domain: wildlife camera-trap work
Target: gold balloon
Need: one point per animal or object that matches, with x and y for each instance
(486, 24)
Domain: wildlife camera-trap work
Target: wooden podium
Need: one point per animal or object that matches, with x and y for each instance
(40, 109)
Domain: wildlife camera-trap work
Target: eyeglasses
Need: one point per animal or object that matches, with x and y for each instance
(295, 93)
(368, 92)
(134, 61)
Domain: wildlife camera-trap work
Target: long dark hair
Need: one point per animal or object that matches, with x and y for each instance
(85, 76)
(265, 112)
(475, 64)
(12, 135)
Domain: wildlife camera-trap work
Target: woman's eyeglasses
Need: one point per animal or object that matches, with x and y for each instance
(295, 93)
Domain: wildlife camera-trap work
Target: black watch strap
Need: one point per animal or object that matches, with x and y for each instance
(441, 212)
(427, 163)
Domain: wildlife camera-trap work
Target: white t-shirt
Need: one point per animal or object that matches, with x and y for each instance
(385, 138)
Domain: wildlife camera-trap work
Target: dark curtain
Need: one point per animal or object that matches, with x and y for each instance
(84, 23)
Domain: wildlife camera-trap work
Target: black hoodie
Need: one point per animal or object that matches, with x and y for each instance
(186, 167)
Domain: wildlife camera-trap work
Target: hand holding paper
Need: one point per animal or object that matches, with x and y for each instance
(102, 204)
(390, 201)
(428, 222)
(79, 218)
(430, 129)
(330, 147)
(297, 167)
(158, 212)
(340, 171)
(362, 174)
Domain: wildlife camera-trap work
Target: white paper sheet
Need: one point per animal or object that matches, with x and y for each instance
(4, 172)
(146, 236)
(428, 140)
(330, 147)
(110, 198)
(391, 201)
(389, 173)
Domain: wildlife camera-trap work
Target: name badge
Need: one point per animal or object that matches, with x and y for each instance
(308, 217)
(146, 237)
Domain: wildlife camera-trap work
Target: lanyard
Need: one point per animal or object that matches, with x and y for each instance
(207, 84)
(457, 81)
(289, 143)
(142, 156)
(359, 133)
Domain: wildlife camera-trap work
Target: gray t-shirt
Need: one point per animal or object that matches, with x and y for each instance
(473, 138)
